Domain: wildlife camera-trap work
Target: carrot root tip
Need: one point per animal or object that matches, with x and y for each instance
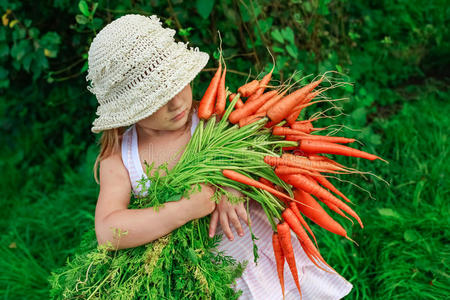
(348, 238)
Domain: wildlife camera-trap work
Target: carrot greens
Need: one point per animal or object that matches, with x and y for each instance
(280, 167)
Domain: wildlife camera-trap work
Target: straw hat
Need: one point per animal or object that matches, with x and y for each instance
(135, 68)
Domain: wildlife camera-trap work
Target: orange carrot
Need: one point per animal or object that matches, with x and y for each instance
(221, 94)
(316, 157)
(233, 175)
(294, 115)
(270, 124)
(323, 138)
(266, 79)
(294, 209)
(250, 119)
(284, 107)
(261, 99)
(313, 258)
(311, 96)
(294, 138)
(305, 127)
(239, 103)
(317, 214)
(311, 187)
(250, 107)
(270, 184)
(251, 98)
(305, 162)
(262, 86)
(279, 259)
(296, 226)
(308, 162)
(302, 126)
(286, 170)
(325, 183)
(279, 130)
(206, 106)
(271, 102)
(266, 182)
(263, 83)
(248, 88)
(336, 210)
(331, 148)
(278, 161)
(302, 163)
(289, 148)
(284, 235)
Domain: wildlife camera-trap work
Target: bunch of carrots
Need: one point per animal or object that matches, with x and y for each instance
(301, 166)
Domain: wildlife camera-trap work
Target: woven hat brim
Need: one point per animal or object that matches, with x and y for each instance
(182, 77)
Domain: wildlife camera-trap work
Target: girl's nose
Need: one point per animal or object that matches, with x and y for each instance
(175, 103)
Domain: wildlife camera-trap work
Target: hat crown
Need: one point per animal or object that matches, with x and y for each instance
(123, 45)
(135, 67)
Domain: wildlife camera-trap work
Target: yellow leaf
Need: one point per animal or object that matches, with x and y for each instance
(47, 53)
(5, 19)
(13, 245)
(13, 22)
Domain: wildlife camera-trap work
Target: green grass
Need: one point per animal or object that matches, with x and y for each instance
(41, 229)
(403, 251)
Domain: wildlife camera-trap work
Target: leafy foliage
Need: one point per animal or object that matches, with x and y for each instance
(180, 265)
(175, 267)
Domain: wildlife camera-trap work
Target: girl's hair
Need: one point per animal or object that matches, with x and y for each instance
(109, 144)
(111, 139)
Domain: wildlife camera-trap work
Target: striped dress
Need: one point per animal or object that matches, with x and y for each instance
(259, 281)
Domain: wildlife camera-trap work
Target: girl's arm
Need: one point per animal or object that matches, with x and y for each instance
(142, 225)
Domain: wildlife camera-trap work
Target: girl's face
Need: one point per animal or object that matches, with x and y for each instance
(172, 116)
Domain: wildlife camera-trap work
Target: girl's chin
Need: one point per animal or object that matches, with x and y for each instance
(176, 125)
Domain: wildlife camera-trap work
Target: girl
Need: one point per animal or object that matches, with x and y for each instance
(141, 77)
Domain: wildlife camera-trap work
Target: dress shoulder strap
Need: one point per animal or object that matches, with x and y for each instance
(130, 157)
(195, 121)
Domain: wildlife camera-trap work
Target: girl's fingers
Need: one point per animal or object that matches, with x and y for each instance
(213, 223)
(242, 214)
(226, 226)
(235, 221)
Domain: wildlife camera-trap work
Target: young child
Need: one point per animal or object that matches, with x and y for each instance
(141, 78)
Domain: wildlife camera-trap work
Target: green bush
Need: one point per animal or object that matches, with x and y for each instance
(395, 52)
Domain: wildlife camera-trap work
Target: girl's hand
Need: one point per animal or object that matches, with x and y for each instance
(228, 213)
(199, 204)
